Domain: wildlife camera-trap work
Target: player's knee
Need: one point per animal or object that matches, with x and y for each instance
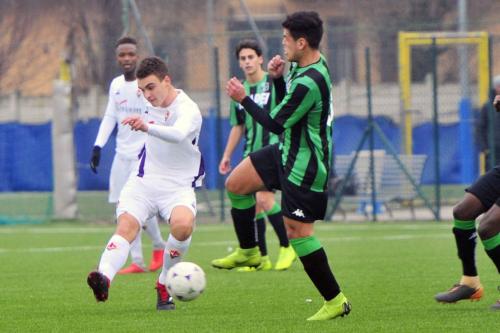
(265, 204)
(234, 186)
(293, 234)
(462, 212)
(293, 231)
(269, 204)
(181, 229)
(485, 229)
(127, 228)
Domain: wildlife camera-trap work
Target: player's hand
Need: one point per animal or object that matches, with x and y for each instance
(224, 165)
(95, 158)
(276, 67)
(136, 123)
(496, 103)
(235, 90)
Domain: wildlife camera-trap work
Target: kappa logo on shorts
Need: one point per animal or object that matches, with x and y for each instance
(174, 253)
(111, 246)
(299, 213)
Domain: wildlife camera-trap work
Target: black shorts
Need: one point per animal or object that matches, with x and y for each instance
(297, 203)
(487, 188)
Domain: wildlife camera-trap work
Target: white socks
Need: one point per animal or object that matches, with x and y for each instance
(136, 250)
(114, 256)
(174, 251)
(153, 230)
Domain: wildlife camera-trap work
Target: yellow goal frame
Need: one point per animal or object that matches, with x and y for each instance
(407, 40)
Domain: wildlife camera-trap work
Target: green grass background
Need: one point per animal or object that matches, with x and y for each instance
(389, 271)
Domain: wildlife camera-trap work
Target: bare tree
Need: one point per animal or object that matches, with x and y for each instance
(97, 26)
(14, 27)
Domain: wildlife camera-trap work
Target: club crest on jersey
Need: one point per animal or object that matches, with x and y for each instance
(174, 253)
(266, 86)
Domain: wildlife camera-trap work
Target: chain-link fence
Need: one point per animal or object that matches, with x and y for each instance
(38, 36)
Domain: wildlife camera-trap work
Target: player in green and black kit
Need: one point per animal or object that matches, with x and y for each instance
(300, 165)
(260, 87)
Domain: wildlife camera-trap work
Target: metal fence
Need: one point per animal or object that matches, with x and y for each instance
(41, 35)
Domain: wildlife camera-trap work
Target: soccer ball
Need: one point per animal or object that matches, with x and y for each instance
(185, 281)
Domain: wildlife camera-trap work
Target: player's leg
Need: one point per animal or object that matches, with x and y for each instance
(273, 212)
(137, 265)
(121, 169)
(479, 198)
(300, 209)
(315, 262)
(489, 232)
(114, 256)
(464, 230)
(153, 231)
(241, 185)
(260, 225)
(260, 228)
(181, 219)
(133, 210)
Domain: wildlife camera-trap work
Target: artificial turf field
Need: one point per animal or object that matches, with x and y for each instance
(389, 272)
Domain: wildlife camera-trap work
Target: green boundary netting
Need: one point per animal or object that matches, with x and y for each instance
(25, 208)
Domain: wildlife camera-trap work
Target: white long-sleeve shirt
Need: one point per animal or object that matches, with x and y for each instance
(171, 151)
(125, 99)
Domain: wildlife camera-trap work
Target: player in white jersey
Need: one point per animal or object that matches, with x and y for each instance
(170, 168)
(125, 99)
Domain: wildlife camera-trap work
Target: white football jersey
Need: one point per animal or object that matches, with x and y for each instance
(177, 163)
(125, 99)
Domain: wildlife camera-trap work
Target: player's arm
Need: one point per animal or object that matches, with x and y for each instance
(279, 89)
(180, 130)
(236, 91)
(106, 127)
(233, 140)
(276, 68)
(237, 121)
(294, 106)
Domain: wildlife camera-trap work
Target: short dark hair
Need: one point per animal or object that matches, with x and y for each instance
(306, 25)
(125, 40)
(248, 44)
(152, 65)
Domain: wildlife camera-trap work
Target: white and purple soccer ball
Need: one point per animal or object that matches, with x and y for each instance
(185, 281)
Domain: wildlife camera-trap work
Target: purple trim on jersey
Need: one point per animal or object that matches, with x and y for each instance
(143, 160)
(142, 152)
(201, 172)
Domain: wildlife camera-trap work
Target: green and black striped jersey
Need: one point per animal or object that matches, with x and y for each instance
(306, 114)
(263, 94)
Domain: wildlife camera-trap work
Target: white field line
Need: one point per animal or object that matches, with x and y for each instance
(222, 227)
(231, 242)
